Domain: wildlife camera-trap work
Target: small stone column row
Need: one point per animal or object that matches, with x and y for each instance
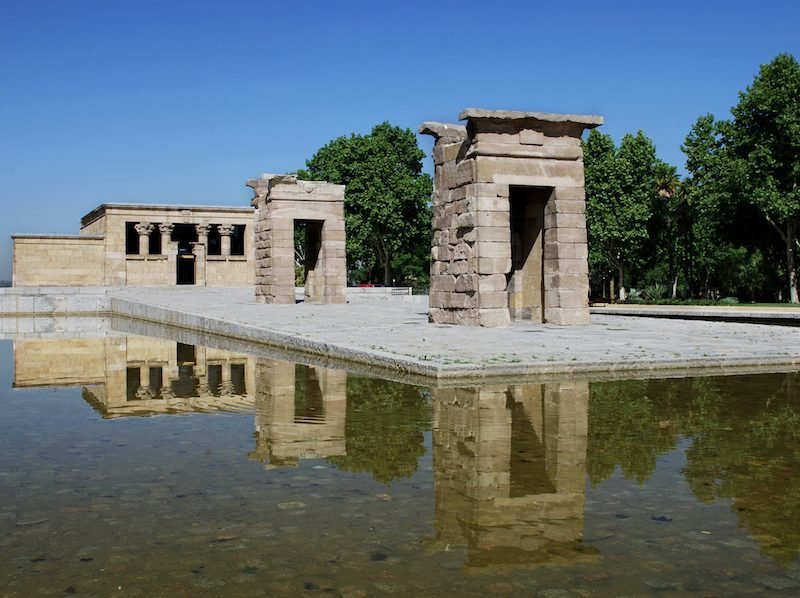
(145, 229)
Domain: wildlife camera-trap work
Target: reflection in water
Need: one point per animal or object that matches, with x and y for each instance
(300, 412)
(496, 474)
(510, 466)
(384, 429)
(745, 444)
(136, 375)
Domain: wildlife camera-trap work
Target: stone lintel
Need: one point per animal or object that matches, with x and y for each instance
(269, 186)
(557, 152)
(587, 121)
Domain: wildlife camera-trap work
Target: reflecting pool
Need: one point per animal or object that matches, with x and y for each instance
(140, 466)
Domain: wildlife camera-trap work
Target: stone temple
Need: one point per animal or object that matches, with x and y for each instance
(509, 222)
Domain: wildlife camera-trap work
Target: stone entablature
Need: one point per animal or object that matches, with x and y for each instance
(509, 226)
(132, 244)
(282, 202)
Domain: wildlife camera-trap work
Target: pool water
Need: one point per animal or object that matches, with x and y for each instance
(135, 466)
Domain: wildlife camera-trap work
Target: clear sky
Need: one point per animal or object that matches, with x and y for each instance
(167, 101)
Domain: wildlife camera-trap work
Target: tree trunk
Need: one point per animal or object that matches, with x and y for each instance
(622, 295)
(387, 269)
(675, 286)
(791, 253)
(385, 258)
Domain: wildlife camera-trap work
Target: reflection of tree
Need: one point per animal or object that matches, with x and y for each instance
(629, 428)
(384, 430)
(745, 433)
(749, 452)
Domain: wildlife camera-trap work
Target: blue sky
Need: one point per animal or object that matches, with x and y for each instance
(181, 101)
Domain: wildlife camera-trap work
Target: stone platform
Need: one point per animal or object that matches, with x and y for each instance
(396, 338)
(392, 338)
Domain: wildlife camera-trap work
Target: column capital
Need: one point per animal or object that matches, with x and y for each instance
(144, 228)
(202, 229)
(166, 229)
(225, 230)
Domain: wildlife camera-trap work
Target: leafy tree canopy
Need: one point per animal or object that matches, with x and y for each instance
(387, 202)
(620, 186)
(763, 142)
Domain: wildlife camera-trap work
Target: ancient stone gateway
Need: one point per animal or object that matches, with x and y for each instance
(283, 203)
(509, 224)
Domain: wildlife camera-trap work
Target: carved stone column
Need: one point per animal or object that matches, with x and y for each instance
(166, 236)
(144, 392)
(143, 229)
(202, 233)
(200, 251)
(225, 232)
(226, 384)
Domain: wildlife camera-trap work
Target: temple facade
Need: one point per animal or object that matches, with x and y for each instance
(143, 245)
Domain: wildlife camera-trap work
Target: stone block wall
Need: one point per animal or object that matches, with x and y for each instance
(57, 260)
(504, 181)
(281, 202)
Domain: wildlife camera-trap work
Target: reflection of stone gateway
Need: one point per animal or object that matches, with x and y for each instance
(509, 227)
(509, 465)
(300, 412)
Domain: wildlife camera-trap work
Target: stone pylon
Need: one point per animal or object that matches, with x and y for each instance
(509, 224)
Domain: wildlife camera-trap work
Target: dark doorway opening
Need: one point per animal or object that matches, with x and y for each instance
(309, 407)
(214, 379)
(526, 297)
(155, 240)
(132, 381)
(185, 235)
(238, 379)
(131, 239)
(214, 240)
(187, 383)
(530, 474)
(308, 245)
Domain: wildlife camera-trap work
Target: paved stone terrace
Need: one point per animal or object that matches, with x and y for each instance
(396, 336)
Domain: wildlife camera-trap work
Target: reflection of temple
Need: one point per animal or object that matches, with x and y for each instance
(138, 375)
(509, 463)
(300, 412)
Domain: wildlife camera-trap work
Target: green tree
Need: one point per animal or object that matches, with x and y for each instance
(763, 143)
(666, 228)
(620, 185)
(387, 201)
